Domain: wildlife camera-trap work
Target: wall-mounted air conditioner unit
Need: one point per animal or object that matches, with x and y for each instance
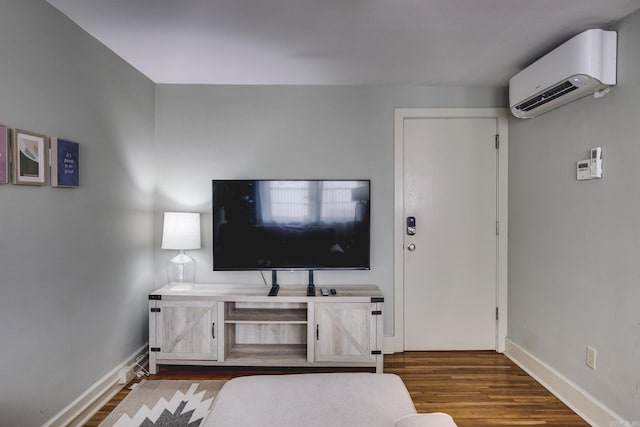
(584, 65)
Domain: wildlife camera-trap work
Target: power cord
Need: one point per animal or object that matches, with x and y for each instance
(263, 279)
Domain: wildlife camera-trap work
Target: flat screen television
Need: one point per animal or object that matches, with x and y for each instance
(291, 225)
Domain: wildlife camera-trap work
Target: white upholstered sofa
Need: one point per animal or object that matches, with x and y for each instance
(319, 400)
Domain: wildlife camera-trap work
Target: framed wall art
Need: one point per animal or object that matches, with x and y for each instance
(4, 154)
(30, 161)
(64, 163)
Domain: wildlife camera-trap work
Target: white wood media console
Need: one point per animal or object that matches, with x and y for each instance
(239, 325)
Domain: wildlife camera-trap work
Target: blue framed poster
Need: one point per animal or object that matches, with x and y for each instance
(65, 157)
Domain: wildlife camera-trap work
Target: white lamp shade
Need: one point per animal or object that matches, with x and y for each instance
(181, 230)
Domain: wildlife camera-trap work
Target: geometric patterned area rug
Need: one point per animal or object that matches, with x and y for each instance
(173, 403)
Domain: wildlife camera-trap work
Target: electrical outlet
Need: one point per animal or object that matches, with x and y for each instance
(591, 357)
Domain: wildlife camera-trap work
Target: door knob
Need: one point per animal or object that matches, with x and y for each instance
(411, 247)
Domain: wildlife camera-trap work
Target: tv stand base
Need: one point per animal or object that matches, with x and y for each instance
(239, 325)
(274, 290)
(311, 291)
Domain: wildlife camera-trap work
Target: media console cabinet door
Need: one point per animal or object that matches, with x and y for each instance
(187, 330)
(345, 332)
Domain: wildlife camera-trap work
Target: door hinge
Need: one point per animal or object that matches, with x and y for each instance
(155, 310)
(497, 314)
(376, 313)
(497, 228)
(377, 299)
(154, 349)
(497, 142)
(155, 297)
(376, 351)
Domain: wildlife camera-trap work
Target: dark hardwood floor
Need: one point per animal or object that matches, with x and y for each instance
(477, 389)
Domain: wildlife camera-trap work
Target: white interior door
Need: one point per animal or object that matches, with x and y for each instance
(450, 263)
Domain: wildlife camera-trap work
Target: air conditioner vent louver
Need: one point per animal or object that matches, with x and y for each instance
(584, 65)
(547, 96)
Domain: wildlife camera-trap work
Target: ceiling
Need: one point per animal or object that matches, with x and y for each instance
(337, 42)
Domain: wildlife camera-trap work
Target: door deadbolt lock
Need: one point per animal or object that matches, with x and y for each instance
(411, 225)
(411, 247)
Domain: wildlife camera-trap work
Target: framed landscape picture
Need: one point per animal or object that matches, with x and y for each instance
(4, 154)
(30, 160)
(64, 163)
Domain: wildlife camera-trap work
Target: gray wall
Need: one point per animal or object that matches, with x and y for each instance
(75, 264)
(208, 132)
(574, 247)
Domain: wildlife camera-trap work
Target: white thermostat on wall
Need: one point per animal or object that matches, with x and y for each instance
(583, 170)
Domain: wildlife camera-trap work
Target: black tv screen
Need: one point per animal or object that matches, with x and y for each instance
(291, 224)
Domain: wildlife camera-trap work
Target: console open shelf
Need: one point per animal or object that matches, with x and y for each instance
(267, 313)
(268, 353)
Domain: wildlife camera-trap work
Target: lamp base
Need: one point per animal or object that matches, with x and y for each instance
(180, 286)
(181, 270)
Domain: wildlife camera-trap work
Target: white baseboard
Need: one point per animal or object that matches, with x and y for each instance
(388, 345)
(581, 402)
(78, 412)
(392, 344)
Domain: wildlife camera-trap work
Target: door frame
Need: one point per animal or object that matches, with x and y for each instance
(500, 114)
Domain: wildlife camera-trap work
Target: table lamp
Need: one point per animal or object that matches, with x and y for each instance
(181, 231)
